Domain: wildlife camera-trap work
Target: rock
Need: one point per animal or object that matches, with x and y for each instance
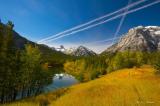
(81, 51)
(138, 39)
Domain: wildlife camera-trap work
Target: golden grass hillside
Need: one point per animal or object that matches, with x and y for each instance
(126, 87)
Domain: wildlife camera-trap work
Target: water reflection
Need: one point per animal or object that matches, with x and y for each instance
(60, 76)
(59, 81)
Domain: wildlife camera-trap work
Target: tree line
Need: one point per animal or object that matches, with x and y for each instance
(22, 72)
(89, 68)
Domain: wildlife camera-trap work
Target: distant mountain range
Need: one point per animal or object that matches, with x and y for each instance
(138, 39)
(79, 51)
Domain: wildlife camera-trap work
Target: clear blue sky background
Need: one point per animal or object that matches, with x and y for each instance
(37, 19)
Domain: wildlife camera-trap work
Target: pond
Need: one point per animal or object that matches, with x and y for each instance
(60, 80)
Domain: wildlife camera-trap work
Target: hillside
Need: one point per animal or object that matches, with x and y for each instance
(136, 86)
(138, 39)
(47, 52)
(124, 87)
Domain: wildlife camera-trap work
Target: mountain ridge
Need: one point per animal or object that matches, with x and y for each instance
(81, 51)
(46, 51)
(138, 39)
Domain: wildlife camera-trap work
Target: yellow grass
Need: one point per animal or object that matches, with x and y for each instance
(127, 87)
(41, 100)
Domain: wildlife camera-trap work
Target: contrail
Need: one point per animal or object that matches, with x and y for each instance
(121, 22)
(92, 21)
(110, 19)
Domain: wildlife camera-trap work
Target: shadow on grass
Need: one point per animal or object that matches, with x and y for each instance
(40, 100)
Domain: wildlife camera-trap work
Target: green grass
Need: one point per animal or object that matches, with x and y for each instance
(127, 87)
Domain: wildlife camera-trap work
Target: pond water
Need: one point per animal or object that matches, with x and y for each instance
(59, 81)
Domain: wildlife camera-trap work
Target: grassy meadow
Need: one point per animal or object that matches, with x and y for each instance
(126, 87)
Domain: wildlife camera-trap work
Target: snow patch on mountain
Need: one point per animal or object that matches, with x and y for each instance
(138, 39)
(157, 33)
(81, 51)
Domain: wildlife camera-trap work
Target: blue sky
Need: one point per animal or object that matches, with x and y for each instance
(38, 19)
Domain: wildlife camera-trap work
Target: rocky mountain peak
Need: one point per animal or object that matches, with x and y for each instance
(83, 51)
(138, 39)
(82, 48)
(80, 51)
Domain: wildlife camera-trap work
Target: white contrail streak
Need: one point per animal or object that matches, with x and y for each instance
(121, 22)
(110, 19)
(92, 21)
(117, 31)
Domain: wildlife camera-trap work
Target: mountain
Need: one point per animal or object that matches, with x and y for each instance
(138, 39)
(79, 51)
(61, 49)
(69, 51)
(82, 51)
